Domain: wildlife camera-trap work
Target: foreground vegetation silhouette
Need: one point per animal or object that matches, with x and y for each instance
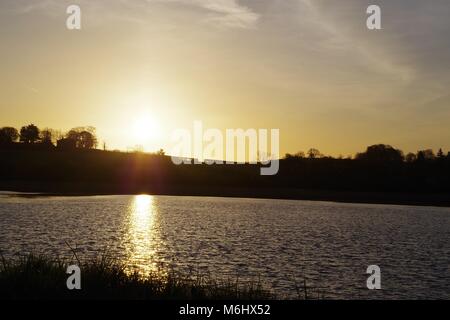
(40, 277)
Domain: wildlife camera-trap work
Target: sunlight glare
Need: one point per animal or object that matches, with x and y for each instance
(143, 242)
(145, 128)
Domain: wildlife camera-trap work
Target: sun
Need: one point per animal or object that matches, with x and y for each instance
(145, 129)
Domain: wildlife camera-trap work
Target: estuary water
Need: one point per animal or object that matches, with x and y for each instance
(282, 243)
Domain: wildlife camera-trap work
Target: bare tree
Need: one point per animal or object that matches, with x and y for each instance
(314, 153)
(47, 136)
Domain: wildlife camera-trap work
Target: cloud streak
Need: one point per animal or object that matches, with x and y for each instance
(225, 13)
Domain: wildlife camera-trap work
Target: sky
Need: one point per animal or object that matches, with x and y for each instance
(310, 68)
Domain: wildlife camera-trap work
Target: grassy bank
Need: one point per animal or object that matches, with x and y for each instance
(39, 277)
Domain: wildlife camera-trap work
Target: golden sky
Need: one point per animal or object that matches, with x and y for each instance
(310, 68)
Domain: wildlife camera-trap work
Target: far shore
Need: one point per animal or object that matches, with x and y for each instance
(81, 189)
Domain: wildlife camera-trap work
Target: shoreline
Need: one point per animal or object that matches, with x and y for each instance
(362, 197)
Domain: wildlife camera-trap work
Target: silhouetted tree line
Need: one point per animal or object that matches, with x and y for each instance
(31, 135)
(379, 168)
(379, 153)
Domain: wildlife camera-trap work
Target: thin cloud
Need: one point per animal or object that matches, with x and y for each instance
(339, 37)
(222, 13)
(226, 13)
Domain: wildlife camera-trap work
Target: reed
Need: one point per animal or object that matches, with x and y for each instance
(40, 277)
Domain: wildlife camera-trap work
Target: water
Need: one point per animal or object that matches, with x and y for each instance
(282, 242)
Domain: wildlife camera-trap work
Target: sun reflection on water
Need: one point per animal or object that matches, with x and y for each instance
(142, 234)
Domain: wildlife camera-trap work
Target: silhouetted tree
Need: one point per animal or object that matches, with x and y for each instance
(8, 135)
(72, 134)
(410, 157)
(298, 155)
(87, 140)
(440, 154)
(289, 156)
(381, 153)
(424, 155)
(84, 137)
(46, 136)
(29, 134)
(314, 153)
